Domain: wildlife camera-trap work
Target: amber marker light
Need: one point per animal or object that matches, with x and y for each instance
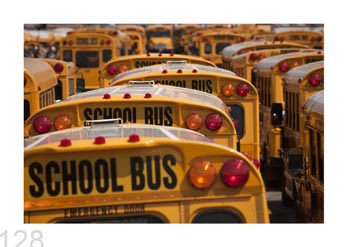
(194, 121)
(62, 122)
(228, 90)
(202, 174)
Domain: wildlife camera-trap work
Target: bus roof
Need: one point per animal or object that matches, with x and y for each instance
(162, 56)
(302, 71)
(315, 103)
(268, 63)
(145, 87)
(112, 129)
(42, 73)
(172, 66)
(232, 50)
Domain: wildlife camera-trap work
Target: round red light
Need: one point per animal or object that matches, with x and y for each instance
(58, 67)
(65, 143)
(213, 121)
(242, 89)
(112, 69)
(106, 96)
(315, 79)
(100, 140)
(283, 67)
(253, 56)
(234, 173)
(42, 124)
(164, 71)
(148, 95)
(134, 138)
(127, 96)
(194, 71)
(179, 71)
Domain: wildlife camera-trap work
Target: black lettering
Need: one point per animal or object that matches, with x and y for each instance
(69, 177)
(115, 186)
(85, 177)
(202, 85)
(170, 181)
(153, 172)
(148, 115)
(107, 113)
(97, 112)
(168, 121)
(101, 166)
(53, 188)
(36, 190)
(87, 113)
(137, 176)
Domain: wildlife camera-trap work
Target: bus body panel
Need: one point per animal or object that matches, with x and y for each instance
(145, 180)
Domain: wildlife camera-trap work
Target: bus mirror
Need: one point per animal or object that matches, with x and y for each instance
(276, 114)
(295, 157)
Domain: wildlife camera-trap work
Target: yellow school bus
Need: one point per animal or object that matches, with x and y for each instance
(182, 37)
(298, 85)
(269, 78)
(39, 85)
(124, 63)
(211, 42)
(313, 39)
(69, 82)
(236, 49)
(137, 36)
(89, 52)
(244, 64)
(140, 102)
(238, 94)
(159, 38)
(132, 173)
(310, 187)
(123, 38)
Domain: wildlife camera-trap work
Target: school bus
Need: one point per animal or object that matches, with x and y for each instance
(269, 78)
(89, 52)
(137, 36)
(236, 49)
(313, 39)
(298, 85)
(182, 37)
(133, 173)
(39, 85)
(159, 38)
(244, 64)
(140, 102)
(238, 94)
(69, 82)
(123, 38)
(211, 42)
(121, 64)
(310, 187)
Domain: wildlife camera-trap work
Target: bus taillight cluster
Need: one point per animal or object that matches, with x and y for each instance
(234, 173)
(229, 89)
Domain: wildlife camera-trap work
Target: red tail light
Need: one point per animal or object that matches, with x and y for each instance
(315, 79)
(234, 173)
(194, 121)
(214, 121)
(42, 124)
(253, 56)
(58, 67)
(202, 174)
(242, 90)
(283, 67)
(112, 70)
